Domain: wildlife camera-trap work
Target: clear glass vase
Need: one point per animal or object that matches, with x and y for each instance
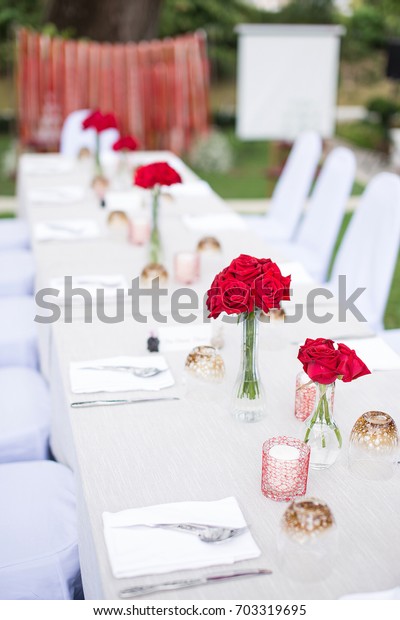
(323, 434)
(248, 402)
(155, 248)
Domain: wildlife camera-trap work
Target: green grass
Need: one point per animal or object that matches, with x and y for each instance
(363, 134)
(7, 185)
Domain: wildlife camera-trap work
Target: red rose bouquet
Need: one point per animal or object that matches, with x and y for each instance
(247, 287)
(153, 177)
(99, 122)
(326, 363)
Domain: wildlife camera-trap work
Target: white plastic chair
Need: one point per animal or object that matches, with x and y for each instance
(18, 332)
(318, 231)
(291, 191)
(17, 273)
(368, 253)
(74, 138)
(39, 556)
(14, 234)
(25, 415)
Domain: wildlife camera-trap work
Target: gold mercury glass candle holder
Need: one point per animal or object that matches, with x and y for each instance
(119, 225)
(209, 244)
(307, 541)
(203, 365)
(374, 446)
(152, 271)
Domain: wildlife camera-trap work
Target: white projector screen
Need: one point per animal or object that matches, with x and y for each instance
(287, 80)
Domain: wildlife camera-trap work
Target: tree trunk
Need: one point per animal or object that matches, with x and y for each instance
(106, 20)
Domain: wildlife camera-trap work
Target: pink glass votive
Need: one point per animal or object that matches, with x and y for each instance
(305, 399)
(285, 463)
(140, 230)
(187, 267)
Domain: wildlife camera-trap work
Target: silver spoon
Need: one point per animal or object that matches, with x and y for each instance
(142, 373)
(206, 533)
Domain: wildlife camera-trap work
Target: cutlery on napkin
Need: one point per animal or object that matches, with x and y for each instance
(68, 230)
(135, 551)
(87, 381)
(211, 223)
(178, 584)
(118, 401)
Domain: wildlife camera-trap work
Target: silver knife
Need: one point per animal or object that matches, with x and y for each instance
(125, 401)
(191, 583)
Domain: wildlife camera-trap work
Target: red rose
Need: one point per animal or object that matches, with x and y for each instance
(229, 295)
(320, 360)
(127, 143)
(100, 122)
(271, 287)
(350, 366)
(245, 268)
(159, 173)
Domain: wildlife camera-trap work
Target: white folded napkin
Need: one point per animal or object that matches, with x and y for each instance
(89, 381)
(66, 230)
(211, 223)
(384, 595)
(92, 283)
(193, 188)
(299, 274)
(375, 353)
(130, 200)
(58, 195)
(144, 551)
(48, 165)
(184, 337)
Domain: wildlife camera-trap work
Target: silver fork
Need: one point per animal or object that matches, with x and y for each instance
(142, 373)
(206, 533)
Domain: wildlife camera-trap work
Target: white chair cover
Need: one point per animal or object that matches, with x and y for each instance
(38, 532)
(18, 334)
(24, 415)
(318, 231)
(14, 234)
(74, 138)
(291, 191)
(17, 273)
(368, 253)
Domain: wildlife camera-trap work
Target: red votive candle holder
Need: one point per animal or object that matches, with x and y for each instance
(187, 267)
(140, 230)
(285, 463)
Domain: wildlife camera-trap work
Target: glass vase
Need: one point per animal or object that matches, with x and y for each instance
(155, 249)
(323, 434)
(248, 401)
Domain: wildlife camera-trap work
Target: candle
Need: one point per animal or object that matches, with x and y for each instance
(140, 230)
(187, 267)
(285, 463)
(284, 453)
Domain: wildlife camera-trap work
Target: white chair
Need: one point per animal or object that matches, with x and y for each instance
(368, 253)
(74, 137)
(38, 532)
(291, 191)
(14, 234)
(18, 334)
(318, 231)
(17, 273)
(25, 415)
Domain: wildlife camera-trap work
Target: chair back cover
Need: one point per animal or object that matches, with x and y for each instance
(320, 226)
(74, 137)
(294, 184)
(368, 253)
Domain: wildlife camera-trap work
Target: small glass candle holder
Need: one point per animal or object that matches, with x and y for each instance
(285, 463)
(84, 153)
(306, 393)
(187, 267)
(152, 271)
(140, 230)
(374, 446)
(209, 244)
(204, 365)
(119, 225)
(307, 541)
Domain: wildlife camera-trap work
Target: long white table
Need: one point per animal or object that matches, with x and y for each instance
(132, 456)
